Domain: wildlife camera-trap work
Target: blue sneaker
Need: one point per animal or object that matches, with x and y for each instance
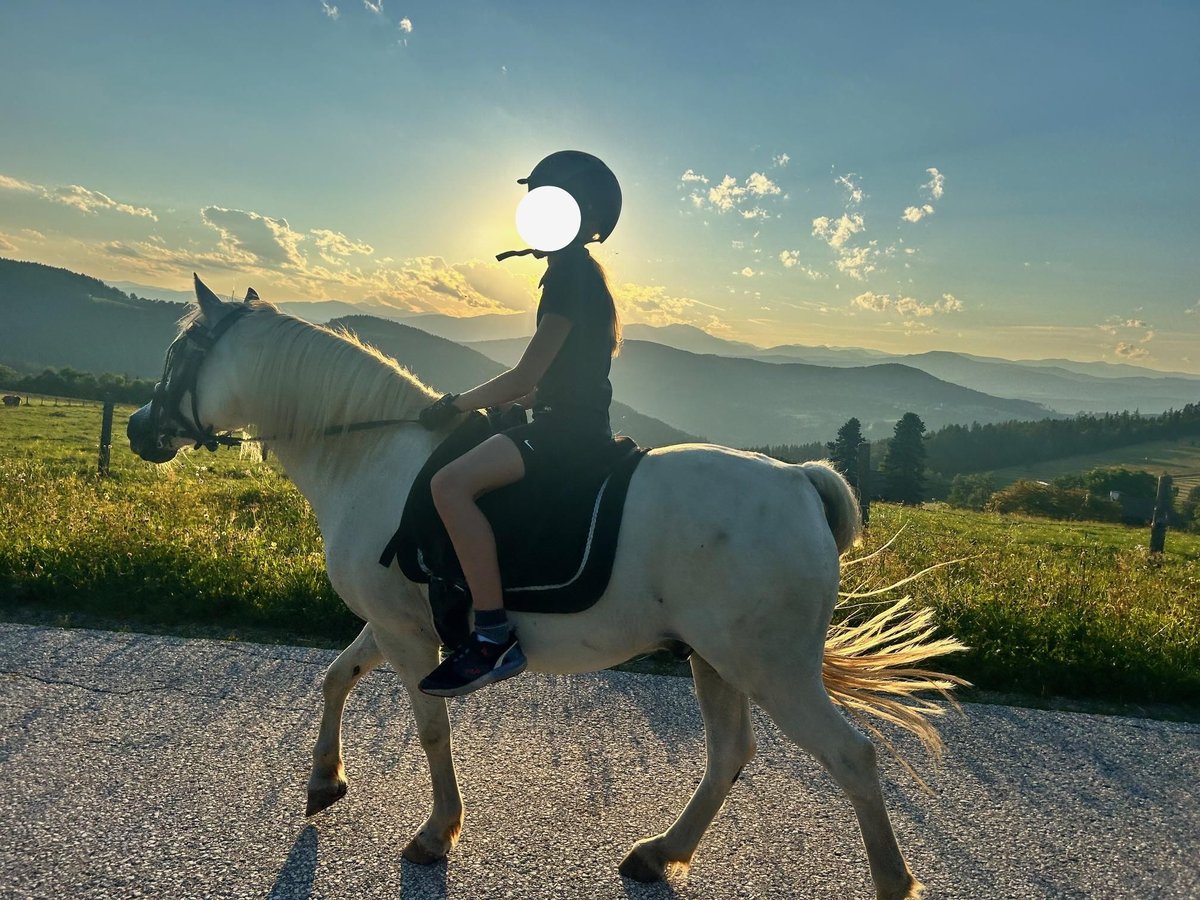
(477, 662)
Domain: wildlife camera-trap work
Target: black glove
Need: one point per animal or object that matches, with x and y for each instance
(439, 413)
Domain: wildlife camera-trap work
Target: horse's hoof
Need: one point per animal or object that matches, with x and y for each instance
(646, 862)
(909, 889)
(418, 853)
(323, 798)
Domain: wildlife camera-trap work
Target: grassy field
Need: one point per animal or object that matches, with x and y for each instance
(1179, 459)
(229, 546)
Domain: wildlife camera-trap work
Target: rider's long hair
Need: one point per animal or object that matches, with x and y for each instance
(614, 320)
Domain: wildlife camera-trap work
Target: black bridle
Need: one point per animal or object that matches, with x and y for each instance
(181, 372)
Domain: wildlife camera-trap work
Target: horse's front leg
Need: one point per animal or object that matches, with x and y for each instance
(414, 655)
(730, 743)
(327, 783)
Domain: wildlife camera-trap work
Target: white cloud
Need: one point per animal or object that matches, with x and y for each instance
(83, 199)
(726, 194)
(6, 244)
(16, 184)
(917, 213)
(261, 240)
(335, 246)
(908, 307)
(837, 232)
(331, 11)
(791, 260)
(652, 305)
(936, 185)
(729, 194)
(857, 261)
(406, 25)
(780, 161)
(760, 185)
(854, 192)
(747, 272)
(89, 201)
(869, 300)
(376, 8)
(1193, 309)
(1131, 351)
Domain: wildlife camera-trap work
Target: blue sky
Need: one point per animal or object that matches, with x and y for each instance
(1012, 179)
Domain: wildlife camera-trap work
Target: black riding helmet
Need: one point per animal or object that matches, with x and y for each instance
(590, 183)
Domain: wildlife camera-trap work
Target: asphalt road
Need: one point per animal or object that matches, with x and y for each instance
(138, 766)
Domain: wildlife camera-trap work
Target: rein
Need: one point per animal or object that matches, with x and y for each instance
(229, 440)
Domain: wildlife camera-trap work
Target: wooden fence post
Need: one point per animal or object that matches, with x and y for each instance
(106, 435)
(1162, 513)
(864, 481)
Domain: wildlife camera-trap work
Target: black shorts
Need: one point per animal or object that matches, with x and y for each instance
(552, 442)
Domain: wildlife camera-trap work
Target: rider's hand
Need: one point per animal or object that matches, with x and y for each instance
(440, 412)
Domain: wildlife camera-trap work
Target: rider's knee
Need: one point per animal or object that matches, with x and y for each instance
(445, 487)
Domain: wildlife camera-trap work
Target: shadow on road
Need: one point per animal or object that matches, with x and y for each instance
(654, 890)
(427, 882)
(295, 879)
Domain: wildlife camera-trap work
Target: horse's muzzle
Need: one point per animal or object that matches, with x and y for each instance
(144, 438)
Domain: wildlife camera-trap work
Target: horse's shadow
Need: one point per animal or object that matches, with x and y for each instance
(654, 890)
(295, 878)
(427, 882)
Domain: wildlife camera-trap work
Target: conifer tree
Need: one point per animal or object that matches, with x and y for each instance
(843, 452)
(903, 467)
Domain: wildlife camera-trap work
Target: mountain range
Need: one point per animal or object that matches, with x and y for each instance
(673, 381)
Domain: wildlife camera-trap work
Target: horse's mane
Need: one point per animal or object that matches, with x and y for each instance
(308, 379)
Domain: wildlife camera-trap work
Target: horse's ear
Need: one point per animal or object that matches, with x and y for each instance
(251, 295)
(210, 303)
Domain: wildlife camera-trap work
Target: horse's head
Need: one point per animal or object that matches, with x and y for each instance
(180, 413)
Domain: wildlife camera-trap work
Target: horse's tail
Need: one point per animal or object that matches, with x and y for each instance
(872, 664)
(841, 506)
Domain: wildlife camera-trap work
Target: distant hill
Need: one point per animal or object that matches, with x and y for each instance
(449, 366)
(1063, 386)
(689, 338)
(52, 318)
(1179, 458)
(464, 329)
(746, 402)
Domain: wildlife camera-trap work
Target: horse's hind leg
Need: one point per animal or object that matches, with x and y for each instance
(327, 783)
(730, 744)
(807, 715)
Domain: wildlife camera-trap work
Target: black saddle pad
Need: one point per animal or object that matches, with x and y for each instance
(556, 531)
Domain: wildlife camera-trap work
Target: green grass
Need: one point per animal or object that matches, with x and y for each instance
(220, 545)
(1180, 459)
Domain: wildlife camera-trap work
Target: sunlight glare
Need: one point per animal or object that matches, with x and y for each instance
(548, 218)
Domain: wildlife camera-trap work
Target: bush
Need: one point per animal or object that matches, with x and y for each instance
(1103, 480)
(1189, 509)
(1036, 498)
(971, 491)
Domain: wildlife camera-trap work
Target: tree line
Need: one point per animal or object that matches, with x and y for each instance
(960, 449)
(68, 382)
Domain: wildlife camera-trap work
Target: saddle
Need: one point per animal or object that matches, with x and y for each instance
(556, 530)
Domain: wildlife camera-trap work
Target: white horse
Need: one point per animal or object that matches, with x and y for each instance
(734, 554)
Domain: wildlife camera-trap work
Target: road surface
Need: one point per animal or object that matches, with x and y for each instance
(139, 766)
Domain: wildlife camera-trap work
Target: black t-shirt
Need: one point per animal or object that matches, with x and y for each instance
(576, 384)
